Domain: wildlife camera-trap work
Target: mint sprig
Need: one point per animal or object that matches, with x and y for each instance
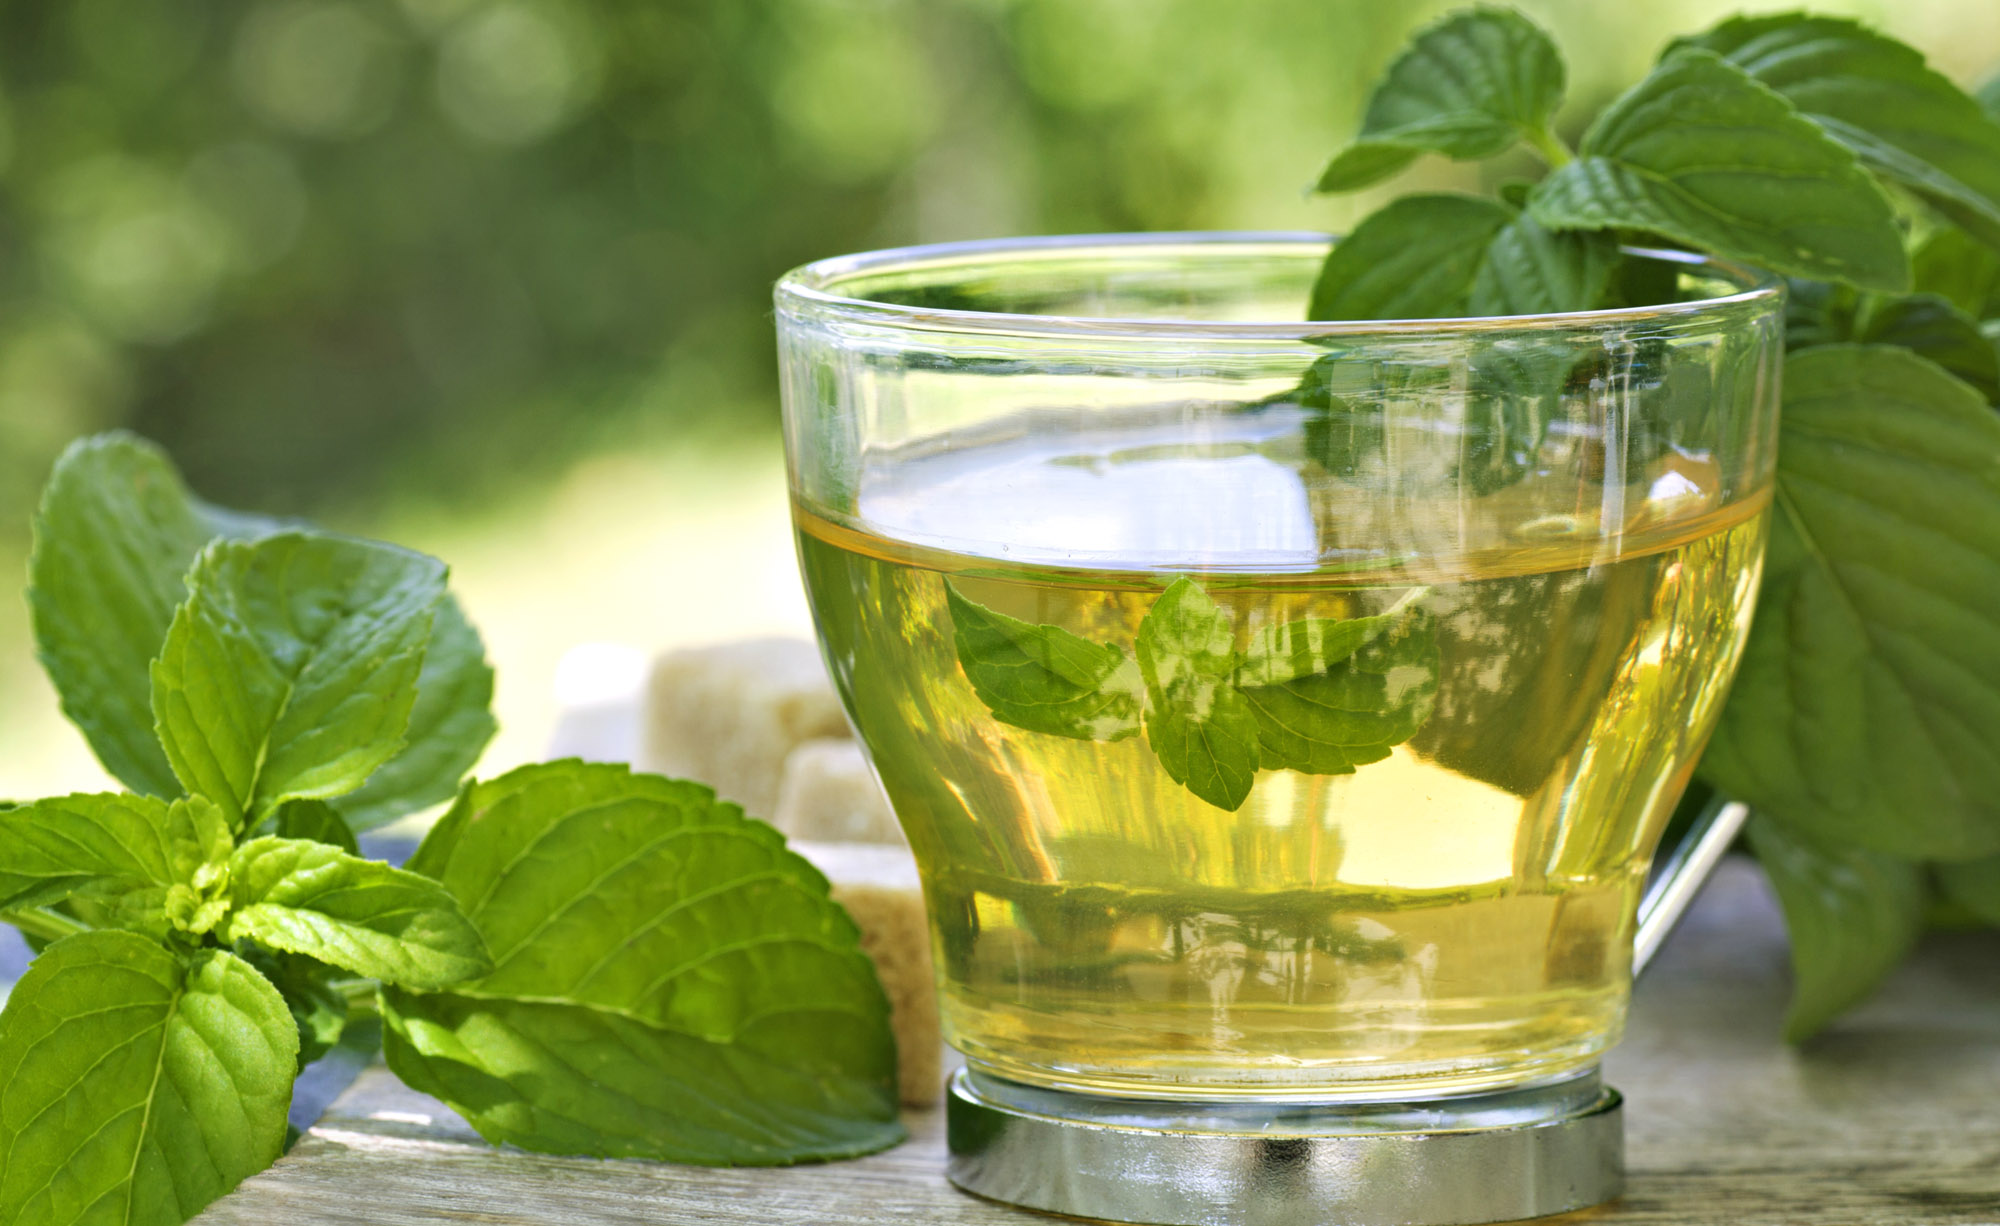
(1862, 718)
(115, 536)
(267, 688)
(1473, 85)
(1319, 695)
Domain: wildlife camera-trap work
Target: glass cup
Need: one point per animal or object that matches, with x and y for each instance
(1283, 715)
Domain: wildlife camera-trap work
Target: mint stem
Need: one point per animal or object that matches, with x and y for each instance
(44, 923)
(1550, 146)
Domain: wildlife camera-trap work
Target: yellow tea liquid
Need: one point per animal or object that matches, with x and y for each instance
(1455, 915)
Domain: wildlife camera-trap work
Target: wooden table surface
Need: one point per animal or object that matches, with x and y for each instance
(1893, 1117)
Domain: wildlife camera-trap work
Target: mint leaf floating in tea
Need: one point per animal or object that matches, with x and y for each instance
(1198, 723)
(137, 1084)
(1471, 86)
(291, 670)
(1875, 637)
(1318, 695)
(1851, 914)
(1357, 705)
(668, 982)
(1875, 95)
(1289, 651)
(1702, 154)
(1412, 259)
(363, 916)
(1043, 678)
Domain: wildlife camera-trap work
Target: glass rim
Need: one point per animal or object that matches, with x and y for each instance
(808, 286)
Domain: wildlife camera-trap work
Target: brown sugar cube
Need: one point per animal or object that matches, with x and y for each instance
(878, 885)
(728, 715)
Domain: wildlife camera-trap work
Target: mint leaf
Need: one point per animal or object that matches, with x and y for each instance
(1876, 96)
(1044, 678)
(126, 852)
(1953, 265)
(1988, 95)
(1415, 258)
(1287, 651)
(1852, 914)
(1930, 325)
(669, 981)
(319, 1010)
(556, 1078)
(450, 726)
(1867, 705)
(361, 915)
(1821, 313)
(1530, 270)
(1353, 710)
(115, 533)
(1974, 885)
(1703, 154)
(136, 1087)
(1470, 86)
(291, 669)
(316, 820)
(1198, 724)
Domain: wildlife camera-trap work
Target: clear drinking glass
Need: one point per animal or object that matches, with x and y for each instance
(1280, 712)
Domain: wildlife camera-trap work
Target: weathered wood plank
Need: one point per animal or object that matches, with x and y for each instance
(1893, 1118)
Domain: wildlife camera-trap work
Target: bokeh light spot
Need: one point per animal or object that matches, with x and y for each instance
(513, 73)
(858, 99)
(255, 189)
(317, 67)
(141, 256)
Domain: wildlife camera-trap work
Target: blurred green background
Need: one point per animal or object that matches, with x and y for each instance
(491, 277)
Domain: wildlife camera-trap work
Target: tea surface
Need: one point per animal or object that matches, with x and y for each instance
(1465, 723)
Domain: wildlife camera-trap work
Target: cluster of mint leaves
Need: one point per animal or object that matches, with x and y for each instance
(1322, 696)
(578, 959)
(1864, 724)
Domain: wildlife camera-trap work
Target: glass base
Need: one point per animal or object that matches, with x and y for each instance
(1518, 1153)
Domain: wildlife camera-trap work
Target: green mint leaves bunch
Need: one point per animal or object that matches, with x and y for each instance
(578, 959)
(1863, 722)
(1318, 695)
